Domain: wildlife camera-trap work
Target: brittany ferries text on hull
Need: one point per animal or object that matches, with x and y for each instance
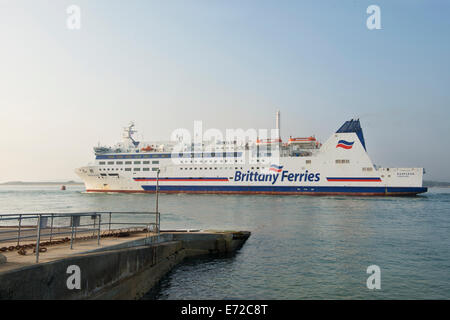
(341, 166)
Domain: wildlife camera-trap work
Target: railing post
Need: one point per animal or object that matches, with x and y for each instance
(93, 227)
(38, 236)
(76, 227)
(157, 200)
(158, 222)
(51, 229)
(157, 189)
(71, 238)
(109, 229)
(18, 231)
(99, 226)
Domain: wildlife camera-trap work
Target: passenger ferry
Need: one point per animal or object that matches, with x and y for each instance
(299, 166)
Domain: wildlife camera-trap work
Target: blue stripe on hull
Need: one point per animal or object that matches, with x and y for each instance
(289, 190)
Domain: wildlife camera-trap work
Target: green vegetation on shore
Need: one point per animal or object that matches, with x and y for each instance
(429, 183)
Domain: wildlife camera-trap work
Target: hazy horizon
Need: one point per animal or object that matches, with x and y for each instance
(230, 64)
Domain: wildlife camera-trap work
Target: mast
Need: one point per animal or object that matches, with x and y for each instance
(128, 134)
(277, 125)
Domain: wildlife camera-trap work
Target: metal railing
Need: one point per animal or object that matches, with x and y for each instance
(33, 228)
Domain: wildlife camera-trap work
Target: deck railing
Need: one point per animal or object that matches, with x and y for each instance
(29, 230)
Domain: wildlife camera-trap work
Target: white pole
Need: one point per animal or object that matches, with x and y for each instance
(278, 124)
(157, 198)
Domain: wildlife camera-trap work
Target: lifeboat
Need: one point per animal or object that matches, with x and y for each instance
(301, 140)
(304, 143)
(268, 141)
(147, 149)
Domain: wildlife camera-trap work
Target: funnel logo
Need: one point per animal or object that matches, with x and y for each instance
(275, 168)
(345, 144)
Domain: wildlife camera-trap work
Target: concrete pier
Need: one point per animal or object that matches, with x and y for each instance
(122, 267)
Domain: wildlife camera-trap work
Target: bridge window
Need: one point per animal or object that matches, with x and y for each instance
(101, 163)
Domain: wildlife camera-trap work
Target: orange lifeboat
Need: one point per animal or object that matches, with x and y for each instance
(147, 149)
(268, 141)
(307, 139)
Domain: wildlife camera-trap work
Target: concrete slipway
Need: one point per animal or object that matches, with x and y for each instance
(120, 268)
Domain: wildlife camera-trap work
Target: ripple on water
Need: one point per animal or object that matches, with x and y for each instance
(301, 247)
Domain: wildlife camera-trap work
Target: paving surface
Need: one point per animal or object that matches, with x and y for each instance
(59, 251)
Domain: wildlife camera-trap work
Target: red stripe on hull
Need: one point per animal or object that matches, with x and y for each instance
(344, 146)
(352, 180)
(188, 180)
(264, 192)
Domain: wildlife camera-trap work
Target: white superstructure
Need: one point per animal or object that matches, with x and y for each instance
(341, 166)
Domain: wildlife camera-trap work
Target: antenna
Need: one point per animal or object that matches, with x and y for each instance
(277, 124)
(128, 134)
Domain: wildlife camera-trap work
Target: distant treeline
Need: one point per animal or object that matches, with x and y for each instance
(40, 182)
(428, 183)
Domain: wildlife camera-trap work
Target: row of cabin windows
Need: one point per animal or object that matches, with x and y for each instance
(215, 161)
(340, 161)
(367, 169)
(129, 169)
(202, 155)
(139, 169)
(212, 154)
(210, 161)
(157, 162)
(128, 162)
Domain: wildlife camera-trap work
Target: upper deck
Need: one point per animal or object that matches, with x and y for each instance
(130, 148)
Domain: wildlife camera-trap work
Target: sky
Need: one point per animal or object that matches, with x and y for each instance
(231, 64)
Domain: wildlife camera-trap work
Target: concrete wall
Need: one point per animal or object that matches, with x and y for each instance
(127, 272)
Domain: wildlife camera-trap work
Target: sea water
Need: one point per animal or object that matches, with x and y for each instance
(301, 247)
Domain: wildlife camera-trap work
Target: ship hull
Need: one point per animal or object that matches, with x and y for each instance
(316, 191)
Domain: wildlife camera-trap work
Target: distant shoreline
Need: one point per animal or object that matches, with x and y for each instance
(21, 183)
(429, 184)
(439, 184)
